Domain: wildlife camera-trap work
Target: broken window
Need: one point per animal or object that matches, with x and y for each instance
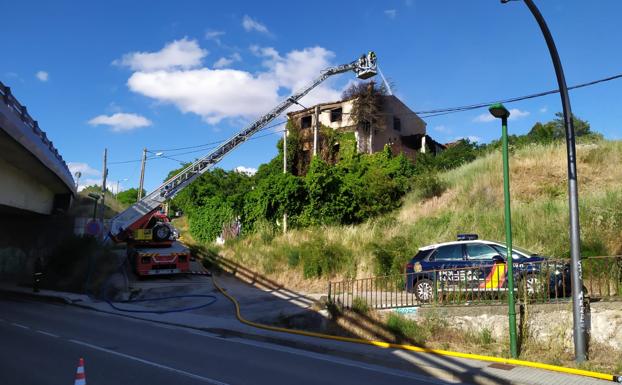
(397, 124)
(305, 122)
(335, 115)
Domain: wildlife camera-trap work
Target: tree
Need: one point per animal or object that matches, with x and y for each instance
(367, 105)
(129, 196)
(555, 129)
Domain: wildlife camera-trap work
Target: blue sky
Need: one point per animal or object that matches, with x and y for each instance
(126, 75)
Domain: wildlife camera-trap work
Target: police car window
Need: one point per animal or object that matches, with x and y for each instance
(480, 252)
(503, 252)
(448, 253)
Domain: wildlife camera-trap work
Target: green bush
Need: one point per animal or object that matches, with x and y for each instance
(407, 330)
(323, 259)
(206, 221)
(429, 185)
(360, 305)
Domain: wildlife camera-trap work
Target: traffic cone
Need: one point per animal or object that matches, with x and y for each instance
(80, 375)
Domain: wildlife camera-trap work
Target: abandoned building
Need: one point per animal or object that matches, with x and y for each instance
(396, 126)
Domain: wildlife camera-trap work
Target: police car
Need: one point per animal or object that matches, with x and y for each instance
(471, 264)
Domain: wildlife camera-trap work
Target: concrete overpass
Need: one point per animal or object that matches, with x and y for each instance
(35, 178)
(36, 189)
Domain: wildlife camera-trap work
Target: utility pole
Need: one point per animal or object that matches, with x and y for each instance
(142, 174)
(78, 174)
(104, 175)
(285, 172)
(316, 128)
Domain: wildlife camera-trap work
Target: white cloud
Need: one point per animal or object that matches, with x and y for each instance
(42, 75)
(471, 138)
(390, 13)
(442, 129)
(246, 170)
(483, 118)
(227, 61)
(515, 114)
(181, 54)
(543, 110)
(83, 168)
(214, 36)
(216, 94)
(121, 122)
(250, 24)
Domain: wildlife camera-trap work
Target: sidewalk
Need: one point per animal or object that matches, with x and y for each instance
(219, 320)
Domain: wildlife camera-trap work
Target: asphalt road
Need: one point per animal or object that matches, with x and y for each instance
(41, 343)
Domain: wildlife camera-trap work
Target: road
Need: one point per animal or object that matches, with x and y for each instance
(42, 342)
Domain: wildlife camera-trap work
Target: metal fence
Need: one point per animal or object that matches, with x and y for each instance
(534, 282)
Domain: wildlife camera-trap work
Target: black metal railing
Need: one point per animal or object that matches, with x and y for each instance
(534, 282)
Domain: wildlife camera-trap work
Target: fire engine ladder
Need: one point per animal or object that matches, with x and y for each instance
(364, 67)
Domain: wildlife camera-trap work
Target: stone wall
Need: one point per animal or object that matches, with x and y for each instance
(543, 322)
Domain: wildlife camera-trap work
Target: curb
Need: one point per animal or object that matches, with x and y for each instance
(39, 297)
(382, 344)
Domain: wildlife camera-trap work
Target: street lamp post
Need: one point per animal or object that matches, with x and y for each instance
(578, 307)
(500, 112)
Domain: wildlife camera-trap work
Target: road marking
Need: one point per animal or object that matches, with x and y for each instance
(202, 333)
(143, 361)
(47, 334)
(19, 325)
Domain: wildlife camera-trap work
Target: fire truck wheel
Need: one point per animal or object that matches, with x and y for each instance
(161, 232)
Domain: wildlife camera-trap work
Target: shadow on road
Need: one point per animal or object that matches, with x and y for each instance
(262, 300)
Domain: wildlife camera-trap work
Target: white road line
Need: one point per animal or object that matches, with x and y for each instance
(143, 361)
(47, 334)
(202, 333)
(19, 325)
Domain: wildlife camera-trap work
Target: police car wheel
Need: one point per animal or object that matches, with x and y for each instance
(424, 290)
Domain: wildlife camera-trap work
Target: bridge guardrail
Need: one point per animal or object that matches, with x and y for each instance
(535, 282)
(21, 111)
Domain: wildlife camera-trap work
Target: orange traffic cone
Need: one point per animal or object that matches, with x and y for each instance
(80, 375)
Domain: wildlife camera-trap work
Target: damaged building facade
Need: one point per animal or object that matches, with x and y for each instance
(320, 130)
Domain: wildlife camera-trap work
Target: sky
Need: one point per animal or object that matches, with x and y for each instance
(128, 75)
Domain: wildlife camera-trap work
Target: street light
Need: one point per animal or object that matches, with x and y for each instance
(500, 112)
(578, 307)
(120, 180)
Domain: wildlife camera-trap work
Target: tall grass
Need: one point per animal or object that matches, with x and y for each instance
(471, 201)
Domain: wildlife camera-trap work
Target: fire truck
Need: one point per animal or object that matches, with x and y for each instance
(152, 246)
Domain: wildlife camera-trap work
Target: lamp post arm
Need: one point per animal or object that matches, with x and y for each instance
(578, 307)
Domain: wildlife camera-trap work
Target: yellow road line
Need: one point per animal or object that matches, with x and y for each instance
(412, 348)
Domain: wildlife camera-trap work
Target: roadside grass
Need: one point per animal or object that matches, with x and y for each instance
(435, 332)
(471, 201)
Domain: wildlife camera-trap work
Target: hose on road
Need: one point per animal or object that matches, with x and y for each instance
(412, 348)
(104, 296)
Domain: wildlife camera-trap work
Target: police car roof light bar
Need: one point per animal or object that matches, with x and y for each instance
(467, 237)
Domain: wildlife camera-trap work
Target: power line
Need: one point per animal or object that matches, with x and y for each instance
(194, 151)
(451, 110)
(421, 114)
(444, 111)
(213, 143)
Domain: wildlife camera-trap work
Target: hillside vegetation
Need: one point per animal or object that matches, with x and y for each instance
(471, 200)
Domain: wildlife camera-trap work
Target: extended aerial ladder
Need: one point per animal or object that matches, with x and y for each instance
(141, 213)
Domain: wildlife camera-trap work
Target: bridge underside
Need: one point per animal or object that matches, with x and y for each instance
(27, 184)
